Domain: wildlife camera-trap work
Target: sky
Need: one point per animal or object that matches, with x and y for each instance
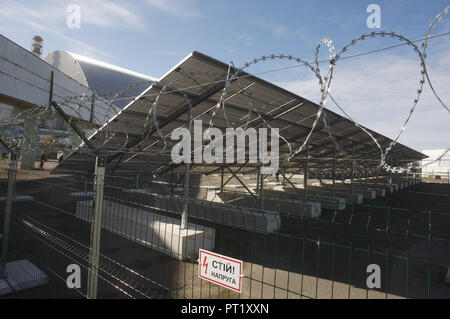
(151, 36)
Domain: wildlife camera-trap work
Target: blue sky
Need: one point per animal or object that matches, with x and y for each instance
(151, 36)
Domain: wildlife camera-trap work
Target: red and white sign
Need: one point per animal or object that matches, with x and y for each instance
(221, 270)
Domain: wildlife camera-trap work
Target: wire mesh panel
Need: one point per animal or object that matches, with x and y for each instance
(287, 250)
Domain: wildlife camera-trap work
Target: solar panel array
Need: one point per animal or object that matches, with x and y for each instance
(134, 144)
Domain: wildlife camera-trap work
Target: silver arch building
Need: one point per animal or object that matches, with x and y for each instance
(102, 78)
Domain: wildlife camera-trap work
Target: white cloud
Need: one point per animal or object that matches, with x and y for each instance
(101, 13)
(49, 17)
(109, 14)
(29, 18)
(277, 30)
(245, 39)
(378, 90)
(176, 8)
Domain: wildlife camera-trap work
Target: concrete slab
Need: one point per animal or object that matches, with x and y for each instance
(379, 191)
(81, 194)
(138, 190)
(157, 231)
(414, 278)
(19, 198)
(283, 205)
(387, 187)
(296, 207)
(326, 201)
(355, 198)
(237, 216)
(22, 274)
(367, 193)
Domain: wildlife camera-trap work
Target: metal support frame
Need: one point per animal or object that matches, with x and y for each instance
(231, 177)
(257, 180)
(334, 172)
(97, 209)
(353, 168)
(52, 79)
(318, 178)
(293, 186)
(261, 191)
(7, 218)
(221, 179)
(305, 175)
(92, 117)
(239, 180)
(96, 226)
(74, 127)
(184, 214)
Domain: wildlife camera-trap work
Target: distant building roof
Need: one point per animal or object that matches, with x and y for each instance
(439, 166)
(103, 78)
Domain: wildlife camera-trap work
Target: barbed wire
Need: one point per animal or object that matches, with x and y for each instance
(107, 111)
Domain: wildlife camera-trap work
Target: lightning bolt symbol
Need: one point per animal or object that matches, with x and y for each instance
(205, 264)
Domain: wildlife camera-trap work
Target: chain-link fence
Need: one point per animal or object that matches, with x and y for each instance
(291, 247)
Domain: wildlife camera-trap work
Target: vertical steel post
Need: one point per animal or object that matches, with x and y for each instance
(305, 176)
(258, 180)
(92, 117)
(261, 192)
(377, 176)
(353, 168)
(334, 171)
(390, 172)
(221, 179)
(7, 218)
(184, 216)
(96, 226)
(172, 182)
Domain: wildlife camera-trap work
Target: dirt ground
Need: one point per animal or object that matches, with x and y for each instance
(306, 259)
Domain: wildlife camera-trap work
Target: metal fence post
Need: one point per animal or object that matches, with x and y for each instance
(7, 218)
(306, 173)
(334, 172)
(184, 216)
(261, 192)
(353, 168)
(96, 226)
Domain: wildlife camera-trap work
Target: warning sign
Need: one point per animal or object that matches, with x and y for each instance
(221, 270)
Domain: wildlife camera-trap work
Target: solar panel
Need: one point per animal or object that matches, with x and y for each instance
(199, 80)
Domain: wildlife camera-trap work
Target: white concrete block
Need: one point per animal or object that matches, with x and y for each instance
(22, 274)
(241, 217)
(19, 198)
(295, 207)
(285, 206)
(157, 231)
(81, 194)
(329, 202)
(379, 191)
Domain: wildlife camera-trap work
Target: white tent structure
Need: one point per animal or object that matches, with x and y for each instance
(439, 167)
